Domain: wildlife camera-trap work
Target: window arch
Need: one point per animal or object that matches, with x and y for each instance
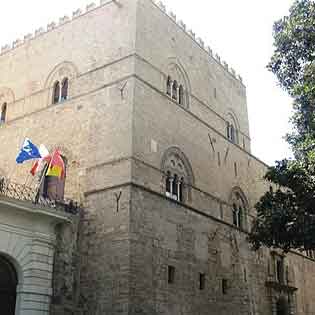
(59, 82)
(176, 82)
(178, 177)
(239, 208)
(3, 116)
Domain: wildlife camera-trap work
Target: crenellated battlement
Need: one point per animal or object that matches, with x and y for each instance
(93, 6)
(198, 40)
(51, 26)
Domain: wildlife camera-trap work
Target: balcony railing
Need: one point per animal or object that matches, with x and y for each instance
(25, 193)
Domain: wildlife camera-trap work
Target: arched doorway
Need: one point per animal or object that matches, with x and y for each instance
(8, 283)
(282, 307)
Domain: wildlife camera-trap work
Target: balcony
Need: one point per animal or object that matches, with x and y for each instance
(23, 193)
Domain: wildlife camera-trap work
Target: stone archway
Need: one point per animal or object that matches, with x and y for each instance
(8, 285)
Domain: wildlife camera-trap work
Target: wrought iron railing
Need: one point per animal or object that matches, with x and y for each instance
(26, 193)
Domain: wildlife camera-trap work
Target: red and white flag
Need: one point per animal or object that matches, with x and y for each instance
(38, 163)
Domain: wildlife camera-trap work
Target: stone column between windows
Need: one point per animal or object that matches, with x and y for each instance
(178, 189)
(171, 186)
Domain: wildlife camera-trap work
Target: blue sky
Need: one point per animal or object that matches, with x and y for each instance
(240, 31)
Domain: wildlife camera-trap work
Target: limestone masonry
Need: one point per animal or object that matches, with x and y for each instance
(154, 131)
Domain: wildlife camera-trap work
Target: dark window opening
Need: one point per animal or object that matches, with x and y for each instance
(168, 182)
(171, 274)
(235, 215)
(245, 275)
(235, 169)
(224, 286)
(174, 90)
(228, 130)
(56, 93)
(280, 270)
(202, 281)
(64, 89)
(282, 307)
(181, 95)
(180, 189)
(219, 159)
(232, 133)
(169, 86)
(240, 219)
(3, 113)
(175, 186)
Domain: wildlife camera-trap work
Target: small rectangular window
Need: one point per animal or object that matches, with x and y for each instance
(235, 169)
(224, 286)
(280, 270)
(221, 211)
(219, 159)
(202, 281)
(171, 274)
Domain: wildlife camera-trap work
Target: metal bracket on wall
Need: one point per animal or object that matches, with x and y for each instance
(118, 196)
(211, 142)
(226, 154)
(122, 89)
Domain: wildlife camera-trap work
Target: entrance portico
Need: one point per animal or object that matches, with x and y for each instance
(27, 244)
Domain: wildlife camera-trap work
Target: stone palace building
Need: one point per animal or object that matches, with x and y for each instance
(160, 187)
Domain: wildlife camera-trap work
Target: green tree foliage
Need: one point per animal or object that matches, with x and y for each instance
(286, 213)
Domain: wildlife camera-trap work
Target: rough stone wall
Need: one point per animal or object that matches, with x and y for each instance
(105, 253)
(67, 264)
(164, 233)
(161, 42)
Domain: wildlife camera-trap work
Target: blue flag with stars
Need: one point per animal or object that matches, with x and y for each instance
(29, 151)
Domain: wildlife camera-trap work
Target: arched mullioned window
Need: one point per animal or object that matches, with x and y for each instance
(56, 93)
(60, 91)
(64, 89)
(239, 210)
(232, 129)
(3, 113)
(231, 132)
(178, 176)
(174, 90)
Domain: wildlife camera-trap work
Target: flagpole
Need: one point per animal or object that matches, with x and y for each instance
(40, 183)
